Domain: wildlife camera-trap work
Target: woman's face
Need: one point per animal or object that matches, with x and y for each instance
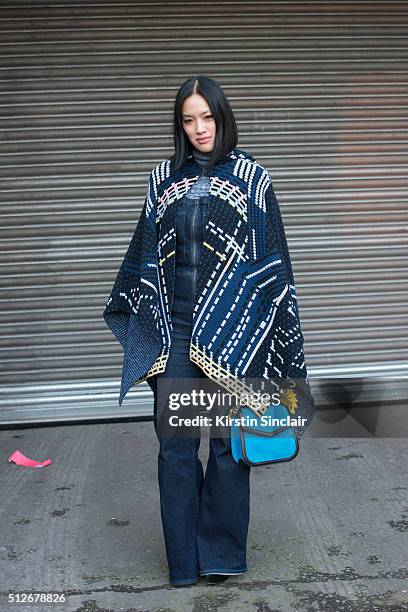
(198, 123)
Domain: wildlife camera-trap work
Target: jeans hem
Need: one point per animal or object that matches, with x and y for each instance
(223, 571)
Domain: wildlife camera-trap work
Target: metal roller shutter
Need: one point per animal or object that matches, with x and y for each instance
(320, 94)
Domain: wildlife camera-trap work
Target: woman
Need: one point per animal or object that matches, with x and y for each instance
(202, 537)
(201, 243)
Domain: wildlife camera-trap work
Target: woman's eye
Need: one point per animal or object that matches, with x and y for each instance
(207, 117)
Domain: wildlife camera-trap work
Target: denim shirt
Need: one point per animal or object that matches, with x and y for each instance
(191, 220)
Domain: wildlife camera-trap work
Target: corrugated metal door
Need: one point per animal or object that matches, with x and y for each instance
(320, 95)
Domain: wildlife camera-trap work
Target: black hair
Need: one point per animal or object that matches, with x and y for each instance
(226, 136)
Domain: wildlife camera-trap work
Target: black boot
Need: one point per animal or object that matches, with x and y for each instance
(214, 578)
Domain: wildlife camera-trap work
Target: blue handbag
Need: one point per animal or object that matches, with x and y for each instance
(260, 440)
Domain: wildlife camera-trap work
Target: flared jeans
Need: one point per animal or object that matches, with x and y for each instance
(205, 516)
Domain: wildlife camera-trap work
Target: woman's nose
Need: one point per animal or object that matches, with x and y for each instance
(200, 127)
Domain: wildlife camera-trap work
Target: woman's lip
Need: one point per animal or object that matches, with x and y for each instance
(201, 141)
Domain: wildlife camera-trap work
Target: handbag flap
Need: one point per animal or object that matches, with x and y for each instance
(260, 432)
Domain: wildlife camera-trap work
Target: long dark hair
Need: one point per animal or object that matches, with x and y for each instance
(226, 136)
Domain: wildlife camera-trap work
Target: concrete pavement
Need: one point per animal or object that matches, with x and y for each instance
(328, 531)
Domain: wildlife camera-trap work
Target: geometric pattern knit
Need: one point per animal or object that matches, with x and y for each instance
(246, 331)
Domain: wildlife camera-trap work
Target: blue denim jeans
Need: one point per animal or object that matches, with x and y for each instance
(205, 517)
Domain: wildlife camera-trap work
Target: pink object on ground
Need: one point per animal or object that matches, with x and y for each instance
(21, 459)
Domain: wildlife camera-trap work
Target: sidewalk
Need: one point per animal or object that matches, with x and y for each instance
(328, 530)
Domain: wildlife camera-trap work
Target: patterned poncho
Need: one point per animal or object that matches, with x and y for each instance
(246, 329)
